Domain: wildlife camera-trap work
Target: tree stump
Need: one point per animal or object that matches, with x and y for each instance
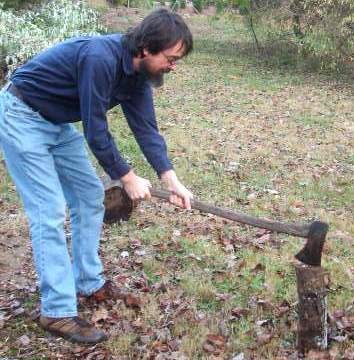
(312, 308)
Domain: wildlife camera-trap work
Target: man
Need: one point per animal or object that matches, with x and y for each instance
(80, 79)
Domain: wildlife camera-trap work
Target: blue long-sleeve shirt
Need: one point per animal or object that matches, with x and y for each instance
(81, 79)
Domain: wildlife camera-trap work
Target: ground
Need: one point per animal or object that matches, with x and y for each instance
(245, 134)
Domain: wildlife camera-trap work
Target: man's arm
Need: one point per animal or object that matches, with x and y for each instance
(94, 78)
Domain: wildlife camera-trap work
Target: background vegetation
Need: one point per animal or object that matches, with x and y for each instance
(24, 33)
(317, 33)
(248, 128)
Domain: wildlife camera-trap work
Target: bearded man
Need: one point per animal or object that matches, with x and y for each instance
(81, 79)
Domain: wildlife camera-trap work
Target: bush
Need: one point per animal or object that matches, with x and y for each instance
(326, 29)
(319, 29)
(22, 35)
(15, 4)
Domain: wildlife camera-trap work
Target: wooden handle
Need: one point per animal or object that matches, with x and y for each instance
(301, 230)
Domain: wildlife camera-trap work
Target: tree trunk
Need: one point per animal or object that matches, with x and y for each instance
(312, 292)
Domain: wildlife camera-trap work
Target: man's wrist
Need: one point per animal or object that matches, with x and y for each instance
(168, 175)
(127, 177)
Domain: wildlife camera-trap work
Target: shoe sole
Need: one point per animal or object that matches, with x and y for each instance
(73, 340)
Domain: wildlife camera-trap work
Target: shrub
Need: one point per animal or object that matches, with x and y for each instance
(15, 4)
(320, 29)
(326, 29)
(23, 35)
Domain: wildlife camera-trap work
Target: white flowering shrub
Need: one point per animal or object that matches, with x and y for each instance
(22, 35)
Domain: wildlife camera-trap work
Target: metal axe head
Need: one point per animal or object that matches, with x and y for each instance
(311, 253)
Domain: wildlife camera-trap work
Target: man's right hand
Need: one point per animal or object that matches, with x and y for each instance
(135, 186)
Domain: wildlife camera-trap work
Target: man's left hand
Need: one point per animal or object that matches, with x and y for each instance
(181, 196)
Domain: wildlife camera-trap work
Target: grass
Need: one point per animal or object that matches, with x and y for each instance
(236, 127)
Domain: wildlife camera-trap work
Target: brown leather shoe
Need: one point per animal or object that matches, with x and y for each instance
(73, 329)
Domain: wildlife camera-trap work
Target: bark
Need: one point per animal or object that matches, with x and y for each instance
(312, 292)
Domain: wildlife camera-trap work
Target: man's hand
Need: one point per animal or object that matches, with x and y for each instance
(136, 187)
(181, 195)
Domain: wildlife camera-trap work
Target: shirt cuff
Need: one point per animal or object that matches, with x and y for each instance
(116, 172)
(163, 167)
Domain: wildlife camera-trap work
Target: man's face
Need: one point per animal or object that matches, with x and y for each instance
(153, 67)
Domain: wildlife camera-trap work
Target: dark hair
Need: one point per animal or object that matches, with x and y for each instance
(160, 30)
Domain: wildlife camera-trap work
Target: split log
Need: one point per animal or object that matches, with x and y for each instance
(312, 308)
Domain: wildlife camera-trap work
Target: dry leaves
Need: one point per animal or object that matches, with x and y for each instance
(214, 344)
(100, 314)
(132, 301)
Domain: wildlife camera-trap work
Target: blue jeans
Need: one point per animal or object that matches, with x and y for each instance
(50, 167)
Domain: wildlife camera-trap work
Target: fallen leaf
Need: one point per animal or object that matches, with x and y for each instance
(159, 286)
(208, 347)
(239, 356)
(216, 340)
(297, 210)
(132, 301)
(263, 322)
(264, 338)
(23, 340)
(339, 338)
(283, 308)
(318, 355)
(18, 311)
(176, 233)
(337, 314)
(195, 257)
(265, 304)
(145, 339)
(100, 314)
(159, 346)
(140, 252)
(96, 355)
(349, 354)
(135, 243)
(138, 262)
(298, 203)
(334, 353)
(258, 267)
(348, 322)
(239, 312)
(261, 232)
(174, 345)
(222, 297)
(272, 191)
(77, 349)
(252, 196)
(138, 323)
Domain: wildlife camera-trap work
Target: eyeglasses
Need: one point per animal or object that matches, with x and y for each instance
(172, 60)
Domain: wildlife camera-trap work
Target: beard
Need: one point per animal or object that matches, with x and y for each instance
(156, 79)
